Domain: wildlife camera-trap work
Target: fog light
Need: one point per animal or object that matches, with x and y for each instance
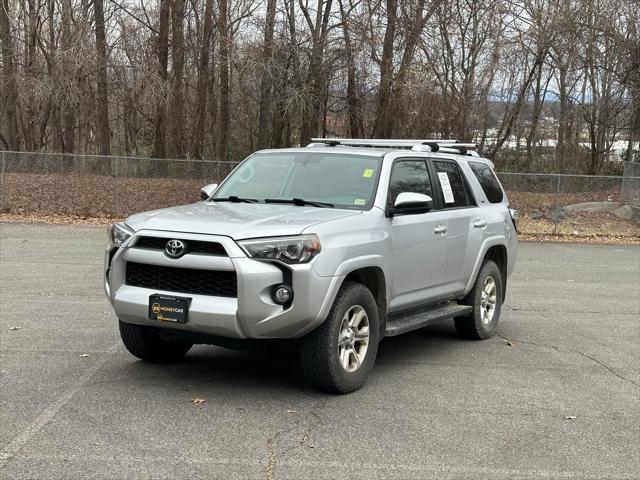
(282, 294)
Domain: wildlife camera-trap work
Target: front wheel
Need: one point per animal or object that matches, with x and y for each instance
(486, 299)
(146, 344)
(339, 355)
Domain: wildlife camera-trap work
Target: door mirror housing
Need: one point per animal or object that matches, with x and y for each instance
(411, 203)
(207, 191)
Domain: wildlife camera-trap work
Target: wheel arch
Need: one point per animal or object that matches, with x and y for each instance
(499, 255)
(494, 249)
(373, 278)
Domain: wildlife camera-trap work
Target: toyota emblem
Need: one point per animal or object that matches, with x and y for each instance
(175, 248)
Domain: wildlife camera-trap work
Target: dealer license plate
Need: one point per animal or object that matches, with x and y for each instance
(168, 309)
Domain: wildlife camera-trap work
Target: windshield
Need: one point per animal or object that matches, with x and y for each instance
(345, 181)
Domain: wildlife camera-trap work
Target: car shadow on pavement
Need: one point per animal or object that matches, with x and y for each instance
(211, 366)
(277, 366)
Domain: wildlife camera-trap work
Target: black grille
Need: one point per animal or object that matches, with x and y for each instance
(183, 280)
(192, 246)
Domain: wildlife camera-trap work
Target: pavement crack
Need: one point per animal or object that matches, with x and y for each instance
(311, 421)
(510, 308)
(270, 469)
(513, 341)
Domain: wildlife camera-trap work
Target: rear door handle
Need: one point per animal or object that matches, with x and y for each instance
(441, 230)
(480, 223)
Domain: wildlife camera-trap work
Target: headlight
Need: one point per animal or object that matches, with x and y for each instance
(298, 249)
(118, 233)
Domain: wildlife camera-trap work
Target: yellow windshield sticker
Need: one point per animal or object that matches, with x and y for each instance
(368, 173)
(359, 201)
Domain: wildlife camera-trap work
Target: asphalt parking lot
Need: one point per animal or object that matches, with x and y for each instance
(556, 395)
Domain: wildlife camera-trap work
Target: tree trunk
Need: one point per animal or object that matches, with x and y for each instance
(30, 111)
(384, 123)
(510, 117)
(68, 117)
(634, 128)
(398, 83)
(102, 98)
(203, 79)
(266, 82)
(10, 89)
(225, 121)
(356, 126)
(539, 95)
(176, 145)
(316, 75)
(159, 146)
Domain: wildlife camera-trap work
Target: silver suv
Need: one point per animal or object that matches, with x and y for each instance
(335, 245)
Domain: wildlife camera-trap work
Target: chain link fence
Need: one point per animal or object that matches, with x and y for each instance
(95, 186)
(575, 204)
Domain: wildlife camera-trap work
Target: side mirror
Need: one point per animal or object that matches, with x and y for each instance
(207, 191)
(410, 203)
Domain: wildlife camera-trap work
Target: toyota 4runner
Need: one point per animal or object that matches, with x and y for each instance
(335, 245)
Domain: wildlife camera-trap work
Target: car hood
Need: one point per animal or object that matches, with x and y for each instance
(236, 220)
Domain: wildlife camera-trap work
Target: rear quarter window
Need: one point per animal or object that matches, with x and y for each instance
(458, 194)
(488, 181)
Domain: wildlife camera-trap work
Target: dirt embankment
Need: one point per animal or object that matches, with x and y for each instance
(96, 199)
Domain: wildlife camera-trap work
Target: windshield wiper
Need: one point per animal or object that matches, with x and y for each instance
(299, 202)
(235, 199)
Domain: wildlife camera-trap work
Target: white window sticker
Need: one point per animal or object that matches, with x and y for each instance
(446, 187)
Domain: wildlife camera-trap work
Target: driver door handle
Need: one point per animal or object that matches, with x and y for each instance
(441, 230)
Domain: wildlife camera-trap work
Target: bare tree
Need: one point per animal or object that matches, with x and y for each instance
(102, 92)
(266, 87)
(10, 94)
(540, 84)
(176, 107)
(162, 52)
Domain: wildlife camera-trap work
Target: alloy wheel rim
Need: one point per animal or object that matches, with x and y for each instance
(353, 338)
(488, 299)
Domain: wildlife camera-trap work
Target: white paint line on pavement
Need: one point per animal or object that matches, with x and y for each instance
(13, 447)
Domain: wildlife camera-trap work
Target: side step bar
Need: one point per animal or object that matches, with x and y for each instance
(404, 322)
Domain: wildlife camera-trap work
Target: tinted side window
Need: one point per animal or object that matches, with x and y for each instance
(409, 176)
(454, 189)
(488, 181)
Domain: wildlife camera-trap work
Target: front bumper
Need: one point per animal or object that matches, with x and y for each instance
(253, 314)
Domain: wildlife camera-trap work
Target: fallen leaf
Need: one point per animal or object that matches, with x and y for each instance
(570, 417)
(198, 401)
(15, 328)
(84, 355)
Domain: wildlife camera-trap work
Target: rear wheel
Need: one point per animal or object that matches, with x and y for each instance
(146, 344)
(339, 355)
(486, 299)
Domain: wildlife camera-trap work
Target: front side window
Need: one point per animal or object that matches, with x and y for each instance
(488, 181)
(343, 180)
(409, 176)
(454, 190)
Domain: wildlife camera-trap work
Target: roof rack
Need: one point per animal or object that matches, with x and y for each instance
(433, 145)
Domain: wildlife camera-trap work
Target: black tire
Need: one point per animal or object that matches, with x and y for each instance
(319, 349)
(472, 326)
(146, 344)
